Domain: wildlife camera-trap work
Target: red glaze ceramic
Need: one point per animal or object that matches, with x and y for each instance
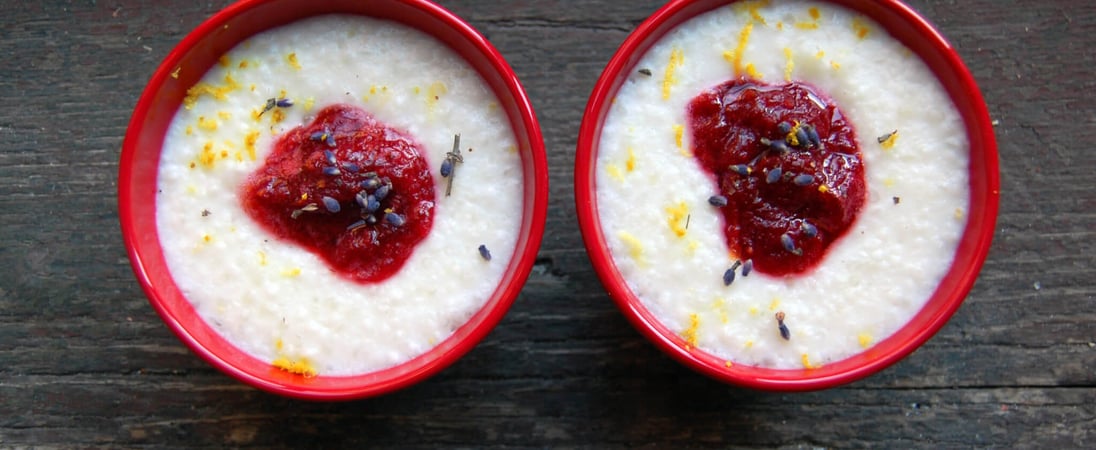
(914, 32)
(144, 138)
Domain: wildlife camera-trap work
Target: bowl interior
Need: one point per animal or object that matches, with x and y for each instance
(915, 33)
(185, 66)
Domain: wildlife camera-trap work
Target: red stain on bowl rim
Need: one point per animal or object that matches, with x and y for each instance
(918, 35)
(188, 62)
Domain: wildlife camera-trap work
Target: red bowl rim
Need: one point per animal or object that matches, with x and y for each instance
(146, 256)
(916, 33)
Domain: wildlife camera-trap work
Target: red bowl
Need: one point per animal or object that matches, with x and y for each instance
(141, 154)
(915, 33)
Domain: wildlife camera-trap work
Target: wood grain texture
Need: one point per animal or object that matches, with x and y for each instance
(84, 360)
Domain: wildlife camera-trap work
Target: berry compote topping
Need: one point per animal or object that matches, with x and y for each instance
(789, 172)
(347, 187)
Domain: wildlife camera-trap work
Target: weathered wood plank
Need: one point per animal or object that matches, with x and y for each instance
(208, 410)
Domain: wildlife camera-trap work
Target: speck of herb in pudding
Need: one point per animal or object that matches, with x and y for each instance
(784, 331)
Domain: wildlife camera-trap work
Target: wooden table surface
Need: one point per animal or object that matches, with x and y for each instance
(85, 361)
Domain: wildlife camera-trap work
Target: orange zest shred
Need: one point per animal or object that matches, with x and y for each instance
(792, 138)
(207, 157)
(752, 72)
(249, 144)
(889, 142)
(735, 56)
(865, 340)
(207, 124)
(679, 136)
(690, 333)
(813, 24)
(301, 366)
(860, 28)
(219, 92)
(790, 65)
(677, 57)
(676, 218)
(752, 7)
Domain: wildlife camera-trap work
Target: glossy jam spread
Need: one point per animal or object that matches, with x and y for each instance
(347, 187)
(790, 176)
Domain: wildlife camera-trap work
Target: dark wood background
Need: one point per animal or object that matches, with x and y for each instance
(84, 360)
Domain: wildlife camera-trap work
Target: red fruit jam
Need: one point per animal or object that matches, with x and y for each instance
(347, 187)
(786, 162)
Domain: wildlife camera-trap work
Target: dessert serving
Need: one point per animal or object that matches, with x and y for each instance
(330, 202)
(297, 201)
(778, 185)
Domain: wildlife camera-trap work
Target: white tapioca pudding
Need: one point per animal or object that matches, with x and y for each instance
(314, 206)
(783, 185)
